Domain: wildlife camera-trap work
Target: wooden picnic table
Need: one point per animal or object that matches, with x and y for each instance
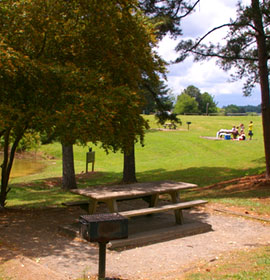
(112, 194)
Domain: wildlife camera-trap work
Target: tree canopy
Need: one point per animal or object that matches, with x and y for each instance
(186, 104)
(191, 100)
(167, 14)
(79, 65)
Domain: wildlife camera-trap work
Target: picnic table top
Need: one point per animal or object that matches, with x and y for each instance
(132, 190)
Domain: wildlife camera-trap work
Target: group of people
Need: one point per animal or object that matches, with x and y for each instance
(237, 133)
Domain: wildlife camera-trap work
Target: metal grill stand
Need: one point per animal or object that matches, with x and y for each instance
(102, 228)
(102, 260)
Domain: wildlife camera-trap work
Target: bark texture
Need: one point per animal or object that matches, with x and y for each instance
(129, 172)
(69, 180)
(264, 80)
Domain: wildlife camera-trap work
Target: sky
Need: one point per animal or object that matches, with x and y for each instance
(206, 76)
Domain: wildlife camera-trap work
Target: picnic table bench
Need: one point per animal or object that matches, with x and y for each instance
(111, 195)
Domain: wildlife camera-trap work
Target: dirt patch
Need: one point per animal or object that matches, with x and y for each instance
(247, 182)
(31, 247)
(241, 185)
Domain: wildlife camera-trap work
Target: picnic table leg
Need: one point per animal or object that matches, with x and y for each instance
(178, 212)
(92, 206)
(112, 205)
(153, 200)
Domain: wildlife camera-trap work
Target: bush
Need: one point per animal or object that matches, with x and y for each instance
(29, 141)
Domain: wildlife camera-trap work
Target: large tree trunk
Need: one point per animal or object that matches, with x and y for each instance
(129, 172)
(7, 165)
(69, 180)
(264, 81)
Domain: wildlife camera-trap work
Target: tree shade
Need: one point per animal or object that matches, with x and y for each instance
(78, 68)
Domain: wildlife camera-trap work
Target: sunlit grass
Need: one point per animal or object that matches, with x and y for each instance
(252, 265)
(180, 155)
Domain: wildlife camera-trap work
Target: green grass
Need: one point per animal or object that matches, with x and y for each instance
(239, 266)
(180, 155)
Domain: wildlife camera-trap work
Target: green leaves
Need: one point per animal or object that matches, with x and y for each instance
(192, 100)
(74, 68)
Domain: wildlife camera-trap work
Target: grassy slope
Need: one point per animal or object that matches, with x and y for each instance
(176, 155)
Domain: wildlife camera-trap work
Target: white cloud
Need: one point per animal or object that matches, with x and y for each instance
(207, 76)
(208, 15)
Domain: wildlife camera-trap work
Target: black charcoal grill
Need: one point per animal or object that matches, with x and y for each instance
(103, 228)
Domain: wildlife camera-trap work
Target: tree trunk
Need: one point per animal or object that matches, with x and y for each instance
(264, 80)
(129, 172)
(69, 180)
(7, 165)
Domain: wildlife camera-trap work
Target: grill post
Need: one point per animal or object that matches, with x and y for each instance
(102, 228)
(102, 260)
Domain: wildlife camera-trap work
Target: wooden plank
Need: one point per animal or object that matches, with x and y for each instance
(151, 210)
(132, 190)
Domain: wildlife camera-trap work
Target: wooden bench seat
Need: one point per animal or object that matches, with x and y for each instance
(163, 208)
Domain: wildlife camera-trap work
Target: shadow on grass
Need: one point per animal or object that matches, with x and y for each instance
(207, 176)
(202, 176)
(44, 193)
(259, 160)
(152, 130)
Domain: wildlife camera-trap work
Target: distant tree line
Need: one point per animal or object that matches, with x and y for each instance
(192, 101)
(234, 109)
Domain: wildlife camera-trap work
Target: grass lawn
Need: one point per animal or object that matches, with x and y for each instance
(242, 265)
(180, 155)
(177, 155)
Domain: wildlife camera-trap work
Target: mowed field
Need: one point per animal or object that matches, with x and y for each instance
(181, 154)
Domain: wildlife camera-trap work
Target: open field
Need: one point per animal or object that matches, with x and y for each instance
(175, 154)
(180, 155)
